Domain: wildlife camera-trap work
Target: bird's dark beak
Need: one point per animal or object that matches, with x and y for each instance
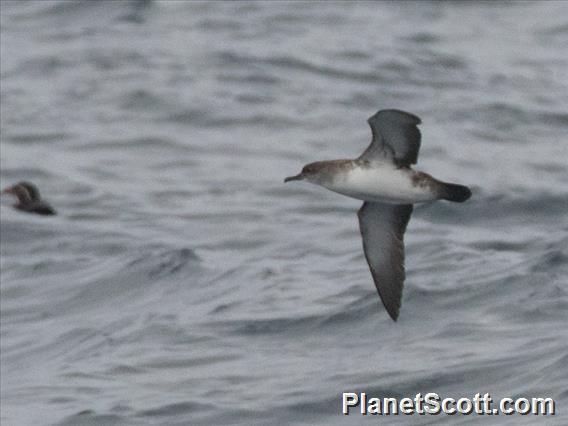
(9, 190)
(297, 177)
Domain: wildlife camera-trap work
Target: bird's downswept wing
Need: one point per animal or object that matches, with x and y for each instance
(382, 228)
(395, 136)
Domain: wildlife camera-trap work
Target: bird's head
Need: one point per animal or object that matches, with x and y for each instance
(313, 172)
(21, 192)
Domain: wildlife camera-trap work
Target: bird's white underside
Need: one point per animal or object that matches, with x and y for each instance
(382, 182)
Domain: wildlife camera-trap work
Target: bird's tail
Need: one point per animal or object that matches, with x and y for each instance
(455, 193)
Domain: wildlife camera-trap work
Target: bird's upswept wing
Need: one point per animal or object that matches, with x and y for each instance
(382, 228)
(395, 136)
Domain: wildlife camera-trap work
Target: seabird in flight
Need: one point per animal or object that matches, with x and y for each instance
(383, 178)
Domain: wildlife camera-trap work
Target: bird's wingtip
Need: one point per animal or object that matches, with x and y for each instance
(393, 315)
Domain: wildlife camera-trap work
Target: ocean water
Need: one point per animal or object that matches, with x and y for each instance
(184, 283)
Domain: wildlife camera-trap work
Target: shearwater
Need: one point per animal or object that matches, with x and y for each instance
(383, 178)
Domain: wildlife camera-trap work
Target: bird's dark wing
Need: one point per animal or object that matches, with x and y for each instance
(40, 207)
(395, 136)
(382, 228)
(45, 210)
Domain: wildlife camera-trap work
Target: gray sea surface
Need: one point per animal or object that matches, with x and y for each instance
(183, 283)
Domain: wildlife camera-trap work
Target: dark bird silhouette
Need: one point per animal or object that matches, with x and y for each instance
(29, 199)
